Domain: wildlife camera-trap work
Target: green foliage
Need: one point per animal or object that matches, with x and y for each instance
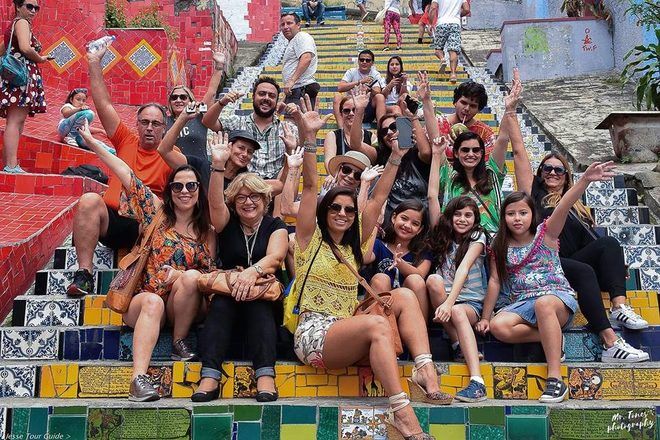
(149, 17)
(644, 68)
(573, 8)
(647, 12)
(115, 17)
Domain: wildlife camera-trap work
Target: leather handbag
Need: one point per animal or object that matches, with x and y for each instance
(374, 304)
(131, 268)
(267, 287)
(12, 69)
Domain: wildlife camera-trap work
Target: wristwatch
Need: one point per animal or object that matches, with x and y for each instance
(259, 269)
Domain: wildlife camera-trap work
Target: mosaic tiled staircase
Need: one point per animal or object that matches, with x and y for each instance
(65, 364)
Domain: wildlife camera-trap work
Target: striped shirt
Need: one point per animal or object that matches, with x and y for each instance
(474, 288)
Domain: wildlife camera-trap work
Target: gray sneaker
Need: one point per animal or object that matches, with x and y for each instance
(181, 351)
(142, 390)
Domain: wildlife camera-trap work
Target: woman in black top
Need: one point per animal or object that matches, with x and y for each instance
(339, 141)
(590, 263)
(250, 238)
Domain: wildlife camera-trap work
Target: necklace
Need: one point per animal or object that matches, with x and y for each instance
(250, 241)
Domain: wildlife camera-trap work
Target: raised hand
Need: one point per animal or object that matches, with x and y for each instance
(439, 145)
(287, 109)
(403, 106)
(328, 183)
(219, 58)
(423, 87)
(370, 173)
(220, 150)
(288, 137)
(599, 171)
(230, 97)
(295, 159)
(85, 132)
(397, 258)
(310, 120)
(98, 55)
(513, 98)
(361, 98)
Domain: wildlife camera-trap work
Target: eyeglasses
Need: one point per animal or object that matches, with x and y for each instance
(560, 171)
(473, 150)
(155, 124)
(32, 8)
(365, 60)
(347, 170)
(336, 208)
(384, 130)
(347, 111)
(181, 97)
(242, 198)
(177, 187)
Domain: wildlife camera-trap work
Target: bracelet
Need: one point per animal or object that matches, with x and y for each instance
(217, 170)
(310, 147)
(394, 161)
(510, 112)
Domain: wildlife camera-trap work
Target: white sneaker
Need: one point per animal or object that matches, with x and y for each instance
(69, 140)
(621, 351)
(626, 316)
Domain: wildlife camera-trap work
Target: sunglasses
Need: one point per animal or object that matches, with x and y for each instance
(560, 171)
(347, 170)
(473, 150)
(336, 208)
(181, 97)
(384, 130)
(365, 60)
(80, 90)
(177, 187)
(347, 111)
(155, 124)
(242, 198)
(32, 8)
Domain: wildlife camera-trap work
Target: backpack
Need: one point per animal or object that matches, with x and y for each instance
(91, 171)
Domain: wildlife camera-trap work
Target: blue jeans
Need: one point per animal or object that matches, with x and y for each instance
(308, 13)
(69, 127)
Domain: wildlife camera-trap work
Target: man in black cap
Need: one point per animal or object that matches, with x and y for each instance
(241, 143)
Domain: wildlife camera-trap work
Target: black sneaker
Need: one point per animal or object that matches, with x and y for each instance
(142, 390)
(83, 284)
(181, 351)
(555, 391)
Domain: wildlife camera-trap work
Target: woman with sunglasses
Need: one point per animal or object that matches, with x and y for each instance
(327, 334)
(250, 238)
(591, 263)
(470, 173)
(182, 247)
(338, 142)
(192, 137)
(17, 103)
(413, 173)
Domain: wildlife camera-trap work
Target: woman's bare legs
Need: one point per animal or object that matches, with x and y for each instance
(463, 317)
(381, 283)
(13, 129)
(146, 314)
(184, 304)
(511, 328)
(417, 284)
(551, 315)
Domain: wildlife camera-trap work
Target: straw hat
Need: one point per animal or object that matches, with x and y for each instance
(355, 158)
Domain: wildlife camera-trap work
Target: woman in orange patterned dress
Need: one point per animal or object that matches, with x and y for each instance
(182, 245)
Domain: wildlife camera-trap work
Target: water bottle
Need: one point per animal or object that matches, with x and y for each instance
(96, 45)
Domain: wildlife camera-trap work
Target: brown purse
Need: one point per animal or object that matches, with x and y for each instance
(131, 268)
(374, 304)
(267, 287)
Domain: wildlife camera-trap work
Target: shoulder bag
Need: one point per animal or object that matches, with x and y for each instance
(374, 304)
(131, 268)
(267, 287)
(12, 69)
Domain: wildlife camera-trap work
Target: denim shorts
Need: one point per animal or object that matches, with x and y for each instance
(525, 308)
(477, 306)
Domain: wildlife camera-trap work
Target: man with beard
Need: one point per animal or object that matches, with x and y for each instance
(97, 217)
(262, 123)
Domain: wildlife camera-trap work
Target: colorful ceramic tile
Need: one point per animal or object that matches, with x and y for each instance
(616, 216)
(59, 381)
(369, 385)
(247, 413)
(67, 427)
(3, 422)
(525, 427)
(23, 343)
(585, 383)
(642, 256)
(100, 381)
(447, 415)
(633, 235)
(104, 423)
(618, 384)
(510, 382)
(103, 258)
(487, 415)
(162, 351)
(448, 432)
(18, 381)
(486, 432)
(61, 312)
(298, 414)
(629, 423)
(248, 430)
(649, 278)
(270, 422)
(607, 197)
(647, 383)
(298, 432)
(328, 423)
(245, 384)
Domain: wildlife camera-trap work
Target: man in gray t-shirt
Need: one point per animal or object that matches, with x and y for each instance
(299, 61)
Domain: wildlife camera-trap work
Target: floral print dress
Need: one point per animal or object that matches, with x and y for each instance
(168, 247)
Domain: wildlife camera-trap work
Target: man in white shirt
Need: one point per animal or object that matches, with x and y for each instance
(448, 31)
(367, 75)
(299, 61)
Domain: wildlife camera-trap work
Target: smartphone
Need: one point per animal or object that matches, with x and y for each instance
(412, 104)
(404, 128)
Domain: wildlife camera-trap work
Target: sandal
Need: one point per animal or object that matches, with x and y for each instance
(418, 393)
(397, 402)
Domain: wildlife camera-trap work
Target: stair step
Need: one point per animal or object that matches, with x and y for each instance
(65, 258)
(635, 235)
(55, 281)
(610, 197)
(642, 256)
(610, 216)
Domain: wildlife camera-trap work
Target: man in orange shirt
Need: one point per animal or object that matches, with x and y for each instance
(96, 218)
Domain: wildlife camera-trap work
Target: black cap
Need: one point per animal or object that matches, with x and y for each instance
(245, 135)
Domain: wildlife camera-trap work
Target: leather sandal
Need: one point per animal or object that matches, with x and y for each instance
(418, 393)
(398, 402)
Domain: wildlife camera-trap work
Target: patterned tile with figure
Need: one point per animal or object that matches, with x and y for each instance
(510, 382)
(607, 197)
(642, 256)
(616, 216)
(24, 343)
(362, 423)
(60, 312)
(369, 385)
(634, 235)
(55, 281)
(585, 383)
(581, 346)
(18, 381)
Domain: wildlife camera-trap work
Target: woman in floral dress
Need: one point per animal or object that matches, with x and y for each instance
(16, 103)
(182, 246)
